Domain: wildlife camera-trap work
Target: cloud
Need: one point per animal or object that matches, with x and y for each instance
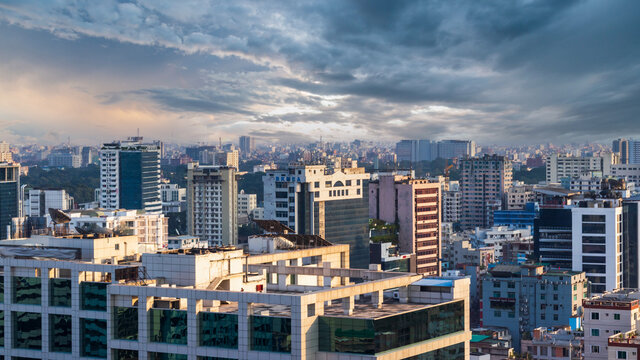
(526, 70)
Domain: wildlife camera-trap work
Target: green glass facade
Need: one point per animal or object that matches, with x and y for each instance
(93, 296)
(168, 326)
(93, 338)
(139, 179)
(218, 329)
(164, 356)
(119, 354)
(27, 290)
(60, 333)
(1, 289)
(9, 196)
(125, 323)
(369, 336)
(453, 352)
(269, 333)
(27, 330)
(1, 328)
(60, 292)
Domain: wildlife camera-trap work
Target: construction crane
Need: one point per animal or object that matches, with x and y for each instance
(446, 171)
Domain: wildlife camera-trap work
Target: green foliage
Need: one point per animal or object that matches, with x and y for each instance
(533, 176)
(249, 164)
(79, 182)
(383, 232)
(251, 183)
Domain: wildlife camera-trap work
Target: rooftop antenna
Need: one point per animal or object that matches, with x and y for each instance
(138, 133)
(220, 139)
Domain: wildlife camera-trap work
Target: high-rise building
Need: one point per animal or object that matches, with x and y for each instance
(5, 152)
(9, 196)
(621, 146)
(247, 202)
(631, 243)
(597, 242)
(415, 205)
(427, 150)
(449, 149)
(87, 156)
(484, 183)
(228, 158)
(247, 145)
(563, 166)
(174, 198)
(212, 203)
(64, 159)
(331, 203)
(130, 176)
(522, 298)
(40, 201)
(78, 298)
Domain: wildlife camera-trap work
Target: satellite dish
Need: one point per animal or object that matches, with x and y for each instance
(93, 229)
(58, 216)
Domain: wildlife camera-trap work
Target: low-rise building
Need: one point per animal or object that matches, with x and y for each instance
(562, 344)
(186, 242)
(497, 236)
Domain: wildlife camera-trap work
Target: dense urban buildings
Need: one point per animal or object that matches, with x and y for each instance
(39, 202)
(9, 196)
(247, 145)
(484, 184)
(174, 198)
(415, 205)
(561, 166)
(247, 203)
(427, 150)
(212, 203)
(317, 200)
(130, 175)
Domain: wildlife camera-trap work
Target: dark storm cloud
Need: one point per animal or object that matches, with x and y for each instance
(527, 70)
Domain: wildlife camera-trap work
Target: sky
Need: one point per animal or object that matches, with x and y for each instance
(504, 72)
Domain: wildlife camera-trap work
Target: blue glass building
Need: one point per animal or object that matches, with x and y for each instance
(517, 218)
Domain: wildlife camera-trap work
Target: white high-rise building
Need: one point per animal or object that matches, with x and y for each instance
(563, 166)
(452, 203)
(246, 203)
(212, 203)
(174, 198)
(597, 242)
(40, 201)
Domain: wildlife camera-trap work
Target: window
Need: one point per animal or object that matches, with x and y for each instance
(316, 184)
(497, 313)
(575, 297)
(348, 182)
(543, 296)
(555, 317)
(555, 297)
(595, 316)
(496, 294)
(616, 316)
(555, 287)
(595, 349)
(117, 246)
(511, 314)
(595, 332)
(622, 355)
(496, 284)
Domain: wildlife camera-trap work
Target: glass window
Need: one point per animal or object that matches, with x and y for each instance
(594, 218)
(453, 352)
(595, 316)
(168, 326)
(589, 228)
(125, 323)
(164, 356)
(27, 330)
(595, 332)
(119, 354)
(93, 296)
(1, 289)
(269, 333)
(93, 338)
(60, 292)
(218, 329)
(616, 316)
(1, 328)
(622, 355)
(60, 333)
(26, 290)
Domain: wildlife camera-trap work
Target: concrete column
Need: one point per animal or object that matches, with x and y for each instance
(194, 306)
(298, 338)
(403, 292)
(8, 294)
(244, 342)
(347, 305)
(283, 279)
(376, 298)
(44, 299)
(145, 303)
(75, 307)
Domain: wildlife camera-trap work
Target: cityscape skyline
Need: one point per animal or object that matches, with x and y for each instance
(531, 71)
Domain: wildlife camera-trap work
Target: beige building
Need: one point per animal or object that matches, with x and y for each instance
(564, 166)
(519, 195)
(561, 344)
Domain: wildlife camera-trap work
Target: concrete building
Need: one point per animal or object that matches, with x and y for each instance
(427, 150)
(621, 147)
(458, 252)
(212, 203)
(247, 145)
(5, 152)
(413, 204)
(10, 206)
(561, 166)
(484, 184)
(186, 242)
(519, 195)
(607, 315)
(91, 298)
(228, 158)
(247, 202)
(552, 237)
(522, 298)
(597, 242)
(40, 201)
(449, 149)
(625, 345)
(561, 344)
(499, 236)
(629, 172)
(452, 203)
(87, 156)
(130, 176)
(517, 218)
(331, 203)
(174, 198)
(64, 159)
(391, 258)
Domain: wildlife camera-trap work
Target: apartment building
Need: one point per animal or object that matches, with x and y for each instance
(607, 315)
(316, 200)
(64, 301)
(451, 203)
(174, 198)
(415, 205)
(40, 201)
(546, 344)
(497, 237)
(484, 184)
(212, 203)
(521, 298)
(561, 166)
(247, 203)
(518, 196)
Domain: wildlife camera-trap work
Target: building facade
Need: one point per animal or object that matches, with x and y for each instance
(563, 166)
(174, 198)
(484, 184)
(40, 201)
(247, 202)
(212, 203)
(329, 202)
(415, 205)
(10, 205)
(130, 176)
(247, 145)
